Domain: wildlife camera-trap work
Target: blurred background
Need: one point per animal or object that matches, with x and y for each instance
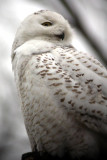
(89, 22)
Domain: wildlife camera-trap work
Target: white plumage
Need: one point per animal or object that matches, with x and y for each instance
(63, 92)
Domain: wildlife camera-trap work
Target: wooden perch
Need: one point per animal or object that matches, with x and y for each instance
(36, 156)
(45, 156)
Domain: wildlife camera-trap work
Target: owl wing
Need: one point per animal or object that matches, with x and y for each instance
(86, 87)
(74, 82)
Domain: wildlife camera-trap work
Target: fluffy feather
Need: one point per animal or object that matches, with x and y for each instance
(63, 92)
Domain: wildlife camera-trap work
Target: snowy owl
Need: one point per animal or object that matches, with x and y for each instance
(63, 92)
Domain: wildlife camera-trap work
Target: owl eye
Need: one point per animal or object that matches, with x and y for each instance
(47, 24)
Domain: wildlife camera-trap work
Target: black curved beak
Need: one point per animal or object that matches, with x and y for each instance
(61, 36)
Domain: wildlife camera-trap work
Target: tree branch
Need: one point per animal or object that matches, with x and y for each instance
(86, 35)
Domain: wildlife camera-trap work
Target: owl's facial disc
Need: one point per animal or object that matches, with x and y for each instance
(58, 36)
(46, 26)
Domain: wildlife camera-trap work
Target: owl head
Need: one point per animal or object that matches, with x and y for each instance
(44, 25)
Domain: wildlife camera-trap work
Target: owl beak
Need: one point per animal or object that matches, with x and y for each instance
(61, 36)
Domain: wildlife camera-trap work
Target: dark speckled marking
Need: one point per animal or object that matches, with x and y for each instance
(49, 74)
(68, 86)
(56, 93)
(53, 78)
(69, 102)
(55, 84)
(62, 99)
(105, 98)
(80, 107)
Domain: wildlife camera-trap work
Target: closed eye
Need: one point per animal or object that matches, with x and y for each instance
(47, 24)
